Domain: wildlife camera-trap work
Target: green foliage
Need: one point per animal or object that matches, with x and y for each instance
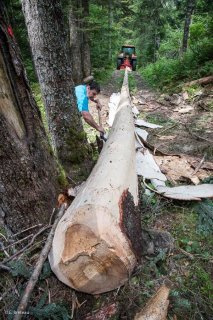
(46, 271)
(51, 311)
(169, 72)
(168, 66)
(204, 210)
(20, 269)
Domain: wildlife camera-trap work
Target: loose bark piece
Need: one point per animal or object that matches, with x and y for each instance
(147, 167)
(135, 110)
(34, 277)
(187, 192)
(142, 133)
(143, 123)
(157, 306)
(92, 250)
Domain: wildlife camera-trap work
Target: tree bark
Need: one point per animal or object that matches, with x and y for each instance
(189, 11)
(27, 168)
(110, 22)
(85, 44)
(49, 44)
(98, 239)
(75, 45)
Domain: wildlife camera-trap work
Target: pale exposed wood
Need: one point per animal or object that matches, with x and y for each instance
(157, 306)
(90, 251)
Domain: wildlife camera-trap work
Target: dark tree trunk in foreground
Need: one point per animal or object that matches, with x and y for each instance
(27, 169)
(49, 44)
(189, 11)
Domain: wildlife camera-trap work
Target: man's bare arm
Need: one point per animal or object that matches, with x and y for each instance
(89, 119)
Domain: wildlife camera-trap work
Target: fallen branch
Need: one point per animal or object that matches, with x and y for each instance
(155, 149)
(27, 246)
(199, 165)
(18, 241)
(205, 80)
(196, 136)
(30, 228)
(34, 277)
(5, 268)
(187, 254)
(170, 127)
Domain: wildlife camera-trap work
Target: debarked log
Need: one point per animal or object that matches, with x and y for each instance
(94, 249)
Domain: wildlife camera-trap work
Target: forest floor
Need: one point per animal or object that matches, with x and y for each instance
(187, 120)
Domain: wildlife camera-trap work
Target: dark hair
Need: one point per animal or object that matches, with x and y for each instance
(94, 86)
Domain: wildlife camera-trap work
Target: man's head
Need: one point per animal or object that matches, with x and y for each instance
(93, 89)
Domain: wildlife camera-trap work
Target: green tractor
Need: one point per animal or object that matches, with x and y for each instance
(127, 58)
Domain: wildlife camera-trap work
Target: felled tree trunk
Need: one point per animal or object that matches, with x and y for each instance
(49, 43)
(97, 241)
(27, 169)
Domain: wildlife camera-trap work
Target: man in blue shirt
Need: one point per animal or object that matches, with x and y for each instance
(83, 94)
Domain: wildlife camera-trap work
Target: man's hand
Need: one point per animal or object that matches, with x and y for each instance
(98, 104)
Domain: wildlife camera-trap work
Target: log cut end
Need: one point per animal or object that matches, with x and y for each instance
(91, 254)
(89, 263)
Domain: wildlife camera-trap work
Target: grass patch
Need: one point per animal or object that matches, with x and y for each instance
(103, 75)
(167, 74)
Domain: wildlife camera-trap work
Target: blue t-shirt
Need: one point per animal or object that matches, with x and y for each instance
(82, 99)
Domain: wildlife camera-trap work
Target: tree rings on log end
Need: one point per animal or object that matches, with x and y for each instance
(89, 264)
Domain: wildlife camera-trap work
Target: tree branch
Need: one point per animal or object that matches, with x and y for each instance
(34, 277)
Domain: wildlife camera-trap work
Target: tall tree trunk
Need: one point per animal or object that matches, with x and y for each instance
(75, 45)
(189, 11)
(49, 44)
(27, 169)
(86, 47)
(110, 22)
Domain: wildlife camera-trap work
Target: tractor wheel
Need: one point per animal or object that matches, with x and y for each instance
(119, 63)
(134, 62)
